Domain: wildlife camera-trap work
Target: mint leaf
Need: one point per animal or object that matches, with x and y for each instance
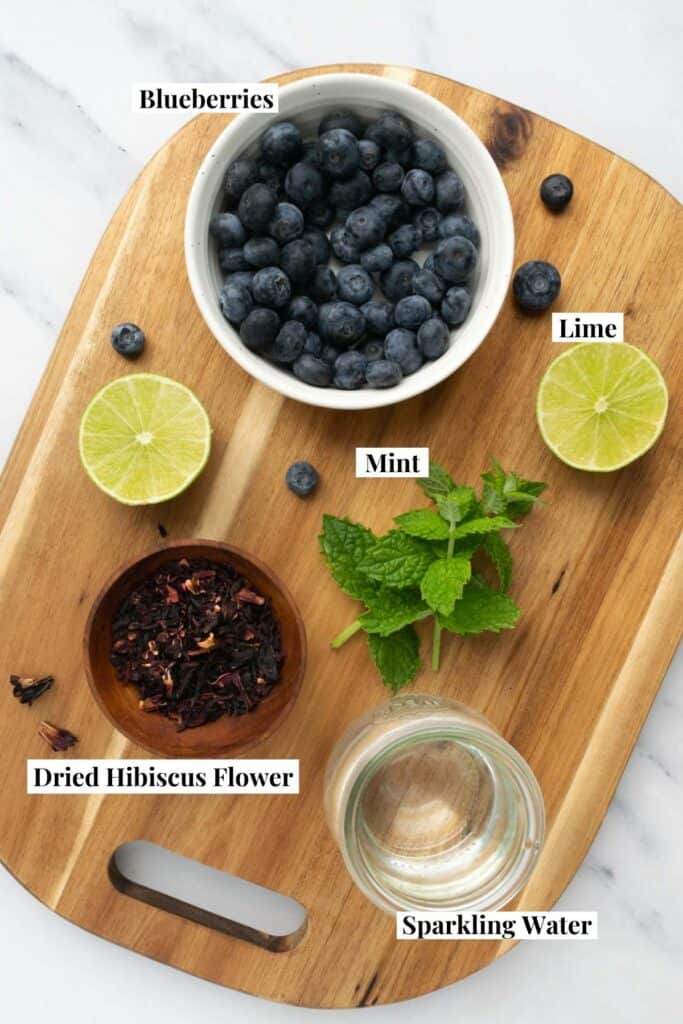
(437, 483)
(480, 608)
(397, 657)
(443, 583)
(499, 553)
(423, 522)
(526, 494)
(508, 492)
(489, 524)
(343, 545)
(397, 560)
(455, 505)
(391, 610)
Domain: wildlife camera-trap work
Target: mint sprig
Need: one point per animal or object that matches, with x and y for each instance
(423, 568)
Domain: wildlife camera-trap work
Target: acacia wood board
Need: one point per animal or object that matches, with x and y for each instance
(597, 568)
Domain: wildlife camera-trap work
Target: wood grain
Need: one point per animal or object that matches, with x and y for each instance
(596, 569)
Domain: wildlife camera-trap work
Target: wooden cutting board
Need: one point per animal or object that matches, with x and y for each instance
(598, 568)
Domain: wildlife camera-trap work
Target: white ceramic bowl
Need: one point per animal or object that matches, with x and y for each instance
(306, 102)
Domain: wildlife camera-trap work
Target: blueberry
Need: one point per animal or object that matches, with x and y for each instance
(392, 208)
(354, 284)
(286, 224)
(400, 346)
(311, 153)
(239, 176)
(373, 350)
(345, 119)
(383, 373)
(556, 191)
(304, 183)
(320, 214)
(232, 260)
(418, 187)
(339, 153)
(536, 285)
(393, 131)
(429, 156)
(397, 281)
(355, 191)
(310, 369)
(341, 323)
(388, 177)
(270, 176)
(349, 370)
(412, 311)
(429, 263)
(320, 243)
(379, 317)
(430, 285)
(236, 302)
(456, 305)
(128, 340)
(297, 259)
(344, 245)
(433, 338)
(323, 284)
(314, 345)
(301, 478)
(377, 259)
(455, 259)
(427, 221)
(281, 144)
(257, 206)
(367, 225)
(228, 230)
(370, 154)
(289, 343)
(271, 287)
(460, 224)
(259, 329)
(450, 192)
(329, 354)
(404, 241)
(262, 252)
(304, 310)
(244, 277)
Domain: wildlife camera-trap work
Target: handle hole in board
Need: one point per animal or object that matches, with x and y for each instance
(207, 896)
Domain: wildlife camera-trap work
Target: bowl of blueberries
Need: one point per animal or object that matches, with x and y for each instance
(354, 249)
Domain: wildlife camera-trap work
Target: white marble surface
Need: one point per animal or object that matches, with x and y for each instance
(70, 149)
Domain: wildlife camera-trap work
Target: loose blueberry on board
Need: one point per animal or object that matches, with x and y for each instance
(536, 285)
(370, 154)
(271, 287)
(261, 251)
(412, 311)
(311, 369)
(404, 241)
(367, 225)
(239, 176)
(429, 285)
(286, 224)
(388, 177)
(345, 119)
(281, 144)
(320, 243)
(397, 281)
(354, 284)
(235, 302)
(556, 191)
(455, 259)
(433, 338)
(256, 207)
(383, 373)
(460, 224)
(400, 346)
(323, 284)
(301, 478)
(297, 259)
(379, 317)
(450, 192)
(418, 187)
(289, 342)
(128, 340)
(303, 309)
(232, 260)
(339, 153)
(228, 230)
(341, 324)
(429, 156)
(304, 184)
(427, 221)
(259, 329)
(349, 370)
(345, 246)
(456, 304)
(377, 259)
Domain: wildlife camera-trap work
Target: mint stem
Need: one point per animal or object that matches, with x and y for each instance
(346, 634)
(436, 642)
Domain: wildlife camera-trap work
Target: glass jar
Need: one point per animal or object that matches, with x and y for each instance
(432, 809)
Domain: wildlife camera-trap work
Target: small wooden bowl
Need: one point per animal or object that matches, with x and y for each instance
(228, 736)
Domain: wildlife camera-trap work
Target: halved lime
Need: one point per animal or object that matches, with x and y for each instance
(144, 439)
(601, 405)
